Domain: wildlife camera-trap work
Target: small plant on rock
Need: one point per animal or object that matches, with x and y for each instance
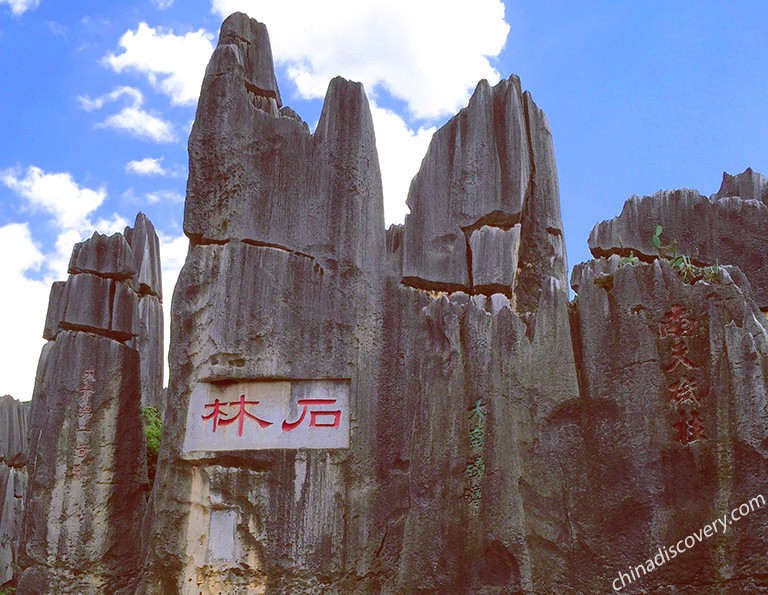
(153, 429)
(630, 260)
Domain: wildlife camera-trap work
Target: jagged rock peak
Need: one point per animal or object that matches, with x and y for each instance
(256, 174)
(14, 416)
(727, 229)
(106, 256)
(491, 165)
(244, 50)
(145, 244)
(747, 185)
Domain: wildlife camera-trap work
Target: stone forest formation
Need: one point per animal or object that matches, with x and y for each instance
(419, 409)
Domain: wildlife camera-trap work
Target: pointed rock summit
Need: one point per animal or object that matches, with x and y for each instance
(727, 228)
(88, 467)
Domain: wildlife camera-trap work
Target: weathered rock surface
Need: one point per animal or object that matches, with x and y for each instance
(88, 473)
(145, 245)
(491, 165)
(747, 185)
(727, 228)
(500, 439)
(108, 256)
(14, 417)
(282, 282)
(670, 430)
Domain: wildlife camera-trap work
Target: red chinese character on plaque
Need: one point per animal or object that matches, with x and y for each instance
(683, 390)
(677, 323)
(680, 357)
(315, 414)
(242, 414)
(215, 414)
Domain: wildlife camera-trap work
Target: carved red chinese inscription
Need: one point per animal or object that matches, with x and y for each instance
(313, 415)
(679, 325)
(84, 414)
(318, 417)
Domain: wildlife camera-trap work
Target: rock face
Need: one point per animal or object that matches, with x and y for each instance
(490, 167)
(88, 470)
(421, 410)
(291, 281)
(669, 431)
(282, 284)
(727, 228)
(14, 417)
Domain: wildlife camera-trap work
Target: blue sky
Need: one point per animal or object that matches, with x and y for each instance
(98, 98)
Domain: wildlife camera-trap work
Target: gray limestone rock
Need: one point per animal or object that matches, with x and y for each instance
(99, 305)
(670, 430)
(145, 244)
(728, 230)
(494, 259)
(14, 417)
(13, 480)
(149, 343)
(283, 281)
(88, 474)
(57, 305)
(107, 256)
(490, 165)
(746, 185)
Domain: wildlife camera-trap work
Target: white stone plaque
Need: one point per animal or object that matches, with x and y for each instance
(266, 414)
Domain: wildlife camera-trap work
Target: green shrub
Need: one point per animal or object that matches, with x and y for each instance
(153, 430)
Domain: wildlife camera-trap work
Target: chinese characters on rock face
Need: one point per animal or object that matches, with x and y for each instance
(238, 412)
(684, 392)
(84, 413)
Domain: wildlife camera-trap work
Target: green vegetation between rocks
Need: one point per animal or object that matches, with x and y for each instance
(153, 430)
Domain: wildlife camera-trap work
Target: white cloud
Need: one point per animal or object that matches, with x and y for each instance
(173, 64)
(163, 4)
(148, 166)
(25, 304)
(55, 193)
(173, 253)
(19, 7)
(429, 53)
(165, 196)
(132, 118)
(400, 153)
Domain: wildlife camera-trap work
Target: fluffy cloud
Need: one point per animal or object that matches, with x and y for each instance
(400, 153)
(173, 64)
(163, 4)
(55, 193)
(146, 167)
(132, 118)
(25, 303)
(19, 7)
(173, 253)
(430, 53)
(168, 196)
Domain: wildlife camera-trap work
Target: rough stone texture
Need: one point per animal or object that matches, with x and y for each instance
(285, 269)
(108, 256)
(728, 229)
(502, 443)
(619, 445)
(492, 164)
(88, 468)
(57, 306)
(14, 417)
(149, 343)
(494, 259)
(145, 245)
(88, 473)
(747, 185)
